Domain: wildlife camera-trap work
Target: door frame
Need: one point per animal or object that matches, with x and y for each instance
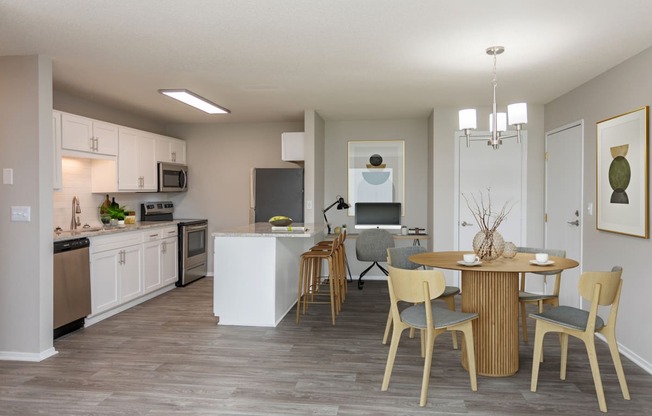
(584, 210)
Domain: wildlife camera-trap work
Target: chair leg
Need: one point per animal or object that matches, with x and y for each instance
(563, 342)
(300, 294)
(524, 321)
(615, 356)
(595, 370)
(430, 346)
(450, 301)
(391, 355)
(539, 333)
(467, 335)
(360, 282)
(388, 327)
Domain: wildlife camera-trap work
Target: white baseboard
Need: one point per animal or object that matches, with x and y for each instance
(25, 356)
(636, 359)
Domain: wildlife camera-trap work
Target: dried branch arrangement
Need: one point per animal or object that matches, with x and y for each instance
(487, 220)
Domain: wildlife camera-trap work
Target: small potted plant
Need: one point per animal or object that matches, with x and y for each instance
(117, 214)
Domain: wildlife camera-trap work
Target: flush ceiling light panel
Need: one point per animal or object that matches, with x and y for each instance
(195, 100)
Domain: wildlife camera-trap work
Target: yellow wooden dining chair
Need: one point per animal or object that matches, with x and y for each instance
(399, 258)
(420, 287)
(601, 289)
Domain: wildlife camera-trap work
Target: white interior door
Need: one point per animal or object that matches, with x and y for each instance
(563, 229)
(503, 170)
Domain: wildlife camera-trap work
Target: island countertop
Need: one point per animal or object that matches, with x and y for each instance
(264, 229)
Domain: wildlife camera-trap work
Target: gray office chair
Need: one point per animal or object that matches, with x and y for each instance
(538, 298)
(371, 245)
(399, 257)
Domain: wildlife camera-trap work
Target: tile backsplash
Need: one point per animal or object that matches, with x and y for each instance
(76, 181)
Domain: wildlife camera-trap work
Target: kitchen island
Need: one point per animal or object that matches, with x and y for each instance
(256, 272)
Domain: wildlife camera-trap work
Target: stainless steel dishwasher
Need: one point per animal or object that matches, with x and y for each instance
(72, 285)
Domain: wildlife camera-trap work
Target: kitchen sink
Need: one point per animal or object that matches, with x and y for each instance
(79, 231)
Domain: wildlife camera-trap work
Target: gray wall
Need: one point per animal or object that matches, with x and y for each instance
(220, 158)
(83, 107)
(26, 255)
(622, 89)
(415, 134)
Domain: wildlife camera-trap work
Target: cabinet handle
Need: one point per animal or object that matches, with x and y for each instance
(164, 247)
(97, 144)
(174, 156)
(91, 144)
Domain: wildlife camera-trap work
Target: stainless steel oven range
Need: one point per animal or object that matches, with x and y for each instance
(193, 234)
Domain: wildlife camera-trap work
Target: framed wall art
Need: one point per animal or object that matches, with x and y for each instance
(622, 174)
(376, 172)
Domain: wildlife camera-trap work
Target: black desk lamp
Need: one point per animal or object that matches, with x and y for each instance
(340, 205)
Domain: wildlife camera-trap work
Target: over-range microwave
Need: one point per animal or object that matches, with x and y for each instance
(172, 177)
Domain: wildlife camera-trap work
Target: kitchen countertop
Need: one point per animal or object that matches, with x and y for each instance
(97, 231)
(264, 229)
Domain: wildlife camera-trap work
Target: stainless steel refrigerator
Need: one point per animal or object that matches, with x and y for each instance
(276, 191)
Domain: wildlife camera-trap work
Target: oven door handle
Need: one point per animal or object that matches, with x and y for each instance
(191, 228)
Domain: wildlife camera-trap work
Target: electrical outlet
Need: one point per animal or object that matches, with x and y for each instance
(308, 204)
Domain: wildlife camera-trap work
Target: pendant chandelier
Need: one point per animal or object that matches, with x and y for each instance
(516, 115)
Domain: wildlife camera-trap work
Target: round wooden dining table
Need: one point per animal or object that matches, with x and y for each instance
(490, 289)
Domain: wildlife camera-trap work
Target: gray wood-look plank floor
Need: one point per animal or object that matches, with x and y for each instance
(168, 357)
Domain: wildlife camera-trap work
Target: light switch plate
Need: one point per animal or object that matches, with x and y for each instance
(7, 176)
(21, 214)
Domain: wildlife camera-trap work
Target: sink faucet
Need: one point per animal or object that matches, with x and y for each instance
(76, 209)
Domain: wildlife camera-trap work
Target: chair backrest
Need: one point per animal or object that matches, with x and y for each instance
(372, 245)
(398, 257)
(609, 285)
(407, 285)
(550, 251)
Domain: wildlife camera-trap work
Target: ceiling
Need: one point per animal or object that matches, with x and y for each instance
(269, 60)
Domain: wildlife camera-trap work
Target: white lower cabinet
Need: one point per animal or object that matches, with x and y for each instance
(169, 260)
(127, 266)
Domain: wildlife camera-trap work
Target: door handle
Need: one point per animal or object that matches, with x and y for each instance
(466, 224)
(575, 223)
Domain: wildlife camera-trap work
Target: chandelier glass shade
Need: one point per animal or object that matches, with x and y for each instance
(516, 115)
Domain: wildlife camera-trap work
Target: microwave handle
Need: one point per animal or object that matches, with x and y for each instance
(183, 179)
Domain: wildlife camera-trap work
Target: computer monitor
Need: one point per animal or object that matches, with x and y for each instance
(385, 215)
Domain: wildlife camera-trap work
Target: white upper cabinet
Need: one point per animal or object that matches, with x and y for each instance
(136, 161)
(90, 136)
(292, 146)
(169, 149)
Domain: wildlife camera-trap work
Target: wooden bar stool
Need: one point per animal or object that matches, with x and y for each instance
(310, 279)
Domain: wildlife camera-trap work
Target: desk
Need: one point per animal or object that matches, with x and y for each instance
(414, 237)
(491, 290)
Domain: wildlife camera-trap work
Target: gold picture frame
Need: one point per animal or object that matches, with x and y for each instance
(622, 174)
(376, 172)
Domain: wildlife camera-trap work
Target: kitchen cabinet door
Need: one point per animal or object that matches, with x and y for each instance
(169, 261)
(136, 161)
(105, 280)
(131, 282)
(87, 135)
(152, 255)
(171, 150)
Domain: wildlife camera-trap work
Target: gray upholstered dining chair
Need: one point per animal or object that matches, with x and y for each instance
(525, 297)
(420, 287)
(601, 289)
(399, 257)
(371, 245)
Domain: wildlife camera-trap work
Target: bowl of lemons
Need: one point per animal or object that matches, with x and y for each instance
(280, 221)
